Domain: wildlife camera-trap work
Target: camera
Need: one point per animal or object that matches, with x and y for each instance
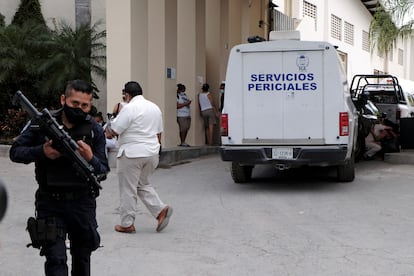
(3, 200)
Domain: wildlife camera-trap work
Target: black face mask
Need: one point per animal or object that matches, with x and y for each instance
(74, 115)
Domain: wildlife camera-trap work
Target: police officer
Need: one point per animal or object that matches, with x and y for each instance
(65, 203)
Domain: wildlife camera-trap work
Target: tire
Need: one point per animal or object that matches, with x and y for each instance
(346, 172)
(360, 146)
(241, 174)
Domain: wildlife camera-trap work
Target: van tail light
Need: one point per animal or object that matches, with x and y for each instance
(343, 124)
(224, 124)
(398, 115)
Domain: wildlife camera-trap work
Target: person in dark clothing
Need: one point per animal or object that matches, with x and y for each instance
(222, 87)
(64, 200)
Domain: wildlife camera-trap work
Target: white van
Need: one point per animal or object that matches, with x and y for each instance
(287, 103)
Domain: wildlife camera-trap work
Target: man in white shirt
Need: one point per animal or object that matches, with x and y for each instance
(373, 140)
(139, 126)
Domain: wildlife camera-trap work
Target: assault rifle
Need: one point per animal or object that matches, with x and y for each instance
(62, 141)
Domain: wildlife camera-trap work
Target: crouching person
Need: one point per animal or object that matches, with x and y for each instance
(374, 139)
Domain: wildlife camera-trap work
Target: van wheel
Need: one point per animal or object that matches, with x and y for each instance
(241, 174)
(346, 173)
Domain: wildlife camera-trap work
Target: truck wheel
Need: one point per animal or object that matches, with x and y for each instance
(346, 173)
(241, 174)
(359, 147)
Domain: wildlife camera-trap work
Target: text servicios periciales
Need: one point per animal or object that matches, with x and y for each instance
(282, 82)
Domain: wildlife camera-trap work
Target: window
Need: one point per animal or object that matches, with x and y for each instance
(365, 41)
(309, 10)
(336, 27)
(400, 56)
(349, 33)
(391, 55)
(378, 72)
(343, 57)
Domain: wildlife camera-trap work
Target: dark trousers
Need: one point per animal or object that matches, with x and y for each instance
(78, 219)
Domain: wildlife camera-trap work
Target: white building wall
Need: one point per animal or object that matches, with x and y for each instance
(355, 13)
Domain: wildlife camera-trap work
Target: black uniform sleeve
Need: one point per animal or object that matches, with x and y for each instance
(99, 160)
(28, 147)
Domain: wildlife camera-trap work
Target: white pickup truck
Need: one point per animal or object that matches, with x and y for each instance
(287, 103)
(386, 92)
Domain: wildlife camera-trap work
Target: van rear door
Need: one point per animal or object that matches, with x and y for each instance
(277, 85)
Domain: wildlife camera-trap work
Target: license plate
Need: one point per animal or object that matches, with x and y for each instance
(282, 153)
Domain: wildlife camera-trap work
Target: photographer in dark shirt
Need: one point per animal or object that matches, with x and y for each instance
(65, 205)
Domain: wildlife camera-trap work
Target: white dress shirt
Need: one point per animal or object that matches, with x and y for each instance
(137, 125)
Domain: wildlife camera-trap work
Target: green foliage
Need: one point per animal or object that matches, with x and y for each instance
(383, 32)
(390, 23)
(400, 10)
(21, 49)
(74, 54)
(12, 124)
(29, 11)
(2, 21)
(39, 61)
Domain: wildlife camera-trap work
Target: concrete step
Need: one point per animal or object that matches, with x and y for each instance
(403, 157)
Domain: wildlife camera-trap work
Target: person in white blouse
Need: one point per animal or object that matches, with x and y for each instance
(208, 111)
(183, 114)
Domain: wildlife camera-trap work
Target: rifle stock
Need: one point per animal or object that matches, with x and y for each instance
(61, 141)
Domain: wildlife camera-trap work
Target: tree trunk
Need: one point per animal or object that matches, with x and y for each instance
(82, 12)
(386, 62)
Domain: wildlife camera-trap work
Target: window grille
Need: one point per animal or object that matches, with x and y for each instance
(310, 10)
(400, 56)
(365, 41)
(282, 22)
(336, 27)
(349, 33)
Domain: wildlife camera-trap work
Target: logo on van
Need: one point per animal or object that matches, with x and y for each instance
(302, 62)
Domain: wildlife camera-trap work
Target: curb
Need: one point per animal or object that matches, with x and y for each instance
(4, 150)
(169, 156)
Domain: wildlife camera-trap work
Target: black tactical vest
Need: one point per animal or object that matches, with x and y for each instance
(59, 175)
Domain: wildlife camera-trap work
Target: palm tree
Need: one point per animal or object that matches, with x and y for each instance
(21, 49)
(401, 10)
(75, 54)
(388, 25)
